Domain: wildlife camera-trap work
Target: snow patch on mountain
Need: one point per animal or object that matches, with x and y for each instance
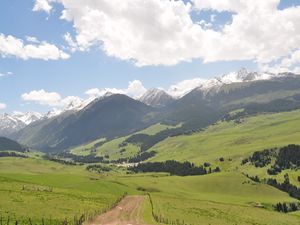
(156, 97)
(28, 117)
(206, 85)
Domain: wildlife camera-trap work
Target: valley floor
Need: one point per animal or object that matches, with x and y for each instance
(47, 192)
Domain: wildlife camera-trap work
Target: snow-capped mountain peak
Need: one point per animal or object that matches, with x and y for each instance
(156, 97)
(242, 75)
(10, 123)
(28, 117)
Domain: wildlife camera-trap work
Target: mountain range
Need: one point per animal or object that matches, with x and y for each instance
(115, 115)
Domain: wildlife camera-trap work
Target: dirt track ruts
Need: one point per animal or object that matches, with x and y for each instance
(127, 212)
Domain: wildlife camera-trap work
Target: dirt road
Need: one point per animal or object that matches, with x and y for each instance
(127, 212)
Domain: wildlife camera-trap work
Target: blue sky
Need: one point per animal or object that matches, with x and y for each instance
(92, 68)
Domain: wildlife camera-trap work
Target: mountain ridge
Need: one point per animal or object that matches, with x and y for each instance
(113, 115)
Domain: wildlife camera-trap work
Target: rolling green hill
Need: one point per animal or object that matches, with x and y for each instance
(113, 148)
(232, 139)
(7, 144)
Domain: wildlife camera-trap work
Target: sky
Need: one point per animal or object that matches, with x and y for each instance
(53, 52)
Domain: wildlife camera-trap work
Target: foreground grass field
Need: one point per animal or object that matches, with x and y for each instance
(221, 198)
(40, 189)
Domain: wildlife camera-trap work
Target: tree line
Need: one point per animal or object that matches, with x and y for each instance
(12, 154)
(287, 207)
(173, 167)
(68, 157)
(98, 168)
(287, 157)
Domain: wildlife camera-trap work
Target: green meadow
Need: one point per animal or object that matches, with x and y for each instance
(38, 189)
(232, 140)
(112, 148)
(47, 191)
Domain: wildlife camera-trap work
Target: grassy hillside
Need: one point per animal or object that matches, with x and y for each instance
(36, 188)
(232, 140)
(216, 199)
(113, 149)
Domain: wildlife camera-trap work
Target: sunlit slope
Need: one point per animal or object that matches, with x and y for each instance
(231, 139)
(113, 148)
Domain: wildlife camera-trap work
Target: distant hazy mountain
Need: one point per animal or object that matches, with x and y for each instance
(116, 115)
(156, 98)
(108, 117)
(254, 92)
(28, 117)
(16, 121)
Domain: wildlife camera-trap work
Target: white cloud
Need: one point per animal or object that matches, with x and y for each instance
(6, 74)
(32, 39)
(11, 46)
(224, 5)
(71, 43)
(185, 86)
(135, 89)
(149, 32)
(42, 97)
(290, 63)
(96, 92)
(258, 31)
(42, 5)
(161, 32)
(2, 106)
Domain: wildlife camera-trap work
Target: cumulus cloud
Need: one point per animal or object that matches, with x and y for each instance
(71, 43)
(32, 39)
(98, 92)
(161, 32)
(53, 99)
(43, 97)
(42, 5)
(2, 106)
(135, 89)
(6, 74)
(12, 46)
(149, 32)
(185, 86)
